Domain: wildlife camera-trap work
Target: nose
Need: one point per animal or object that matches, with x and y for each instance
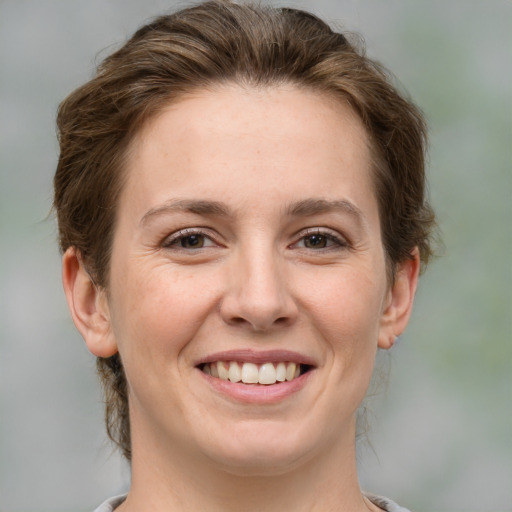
(259, 294)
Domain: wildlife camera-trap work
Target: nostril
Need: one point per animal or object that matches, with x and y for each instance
(238, 320)
(255, 308)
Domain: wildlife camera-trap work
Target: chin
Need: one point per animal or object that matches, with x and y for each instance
(253, 449)
(260, 464)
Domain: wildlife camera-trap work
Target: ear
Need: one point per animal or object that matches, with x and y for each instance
(88, 305)
(399, 301)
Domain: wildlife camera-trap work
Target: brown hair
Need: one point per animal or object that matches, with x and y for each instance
(215, 42)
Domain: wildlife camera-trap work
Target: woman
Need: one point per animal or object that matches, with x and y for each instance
(241, 208)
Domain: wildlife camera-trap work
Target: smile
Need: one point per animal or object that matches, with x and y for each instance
(251, 373)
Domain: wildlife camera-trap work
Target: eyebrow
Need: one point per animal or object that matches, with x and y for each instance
(319, 206)
(199, 207)
(303, 208)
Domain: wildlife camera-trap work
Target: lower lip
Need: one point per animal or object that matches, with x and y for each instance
(258, 393)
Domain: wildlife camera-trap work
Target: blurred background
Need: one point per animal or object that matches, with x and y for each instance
(441, 422)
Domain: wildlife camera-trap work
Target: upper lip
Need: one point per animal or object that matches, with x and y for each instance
(258, 357)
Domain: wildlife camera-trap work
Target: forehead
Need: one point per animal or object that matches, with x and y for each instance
(284, 136)
(288, 107)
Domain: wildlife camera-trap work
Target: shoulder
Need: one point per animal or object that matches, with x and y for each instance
(385, 503)
(111, 504)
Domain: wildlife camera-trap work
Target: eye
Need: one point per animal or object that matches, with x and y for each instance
(318, 239)
(192, 241)
(188, 239)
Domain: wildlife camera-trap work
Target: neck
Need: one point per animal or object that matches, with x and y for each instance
(165, 480)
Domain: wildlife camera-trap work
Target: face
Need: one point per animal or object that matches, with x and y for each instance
(248, 289)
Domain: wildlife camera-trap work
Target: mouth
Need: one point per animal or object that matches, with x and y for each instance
(257, 377)
(256, 368)
(267, 374)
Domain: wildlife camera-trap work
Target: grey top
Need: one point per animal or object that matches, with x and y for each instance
(384, 503)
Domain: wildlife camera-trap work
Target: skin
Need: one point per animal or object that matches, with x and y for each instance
(277, 271)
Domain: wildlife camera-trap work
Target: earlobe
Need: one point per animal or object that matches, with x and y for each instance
(88, 306)
(400, 300)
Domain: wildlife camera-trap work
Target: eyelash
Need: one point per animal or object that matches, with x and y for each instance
(337, 242)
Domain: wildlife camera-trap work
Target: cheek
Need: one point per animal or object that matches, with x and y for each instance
(347, 305)
(347, 317)
(157, 311)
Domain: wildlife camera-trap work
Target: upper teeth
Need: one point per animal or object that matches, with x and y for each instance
(250, 373)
